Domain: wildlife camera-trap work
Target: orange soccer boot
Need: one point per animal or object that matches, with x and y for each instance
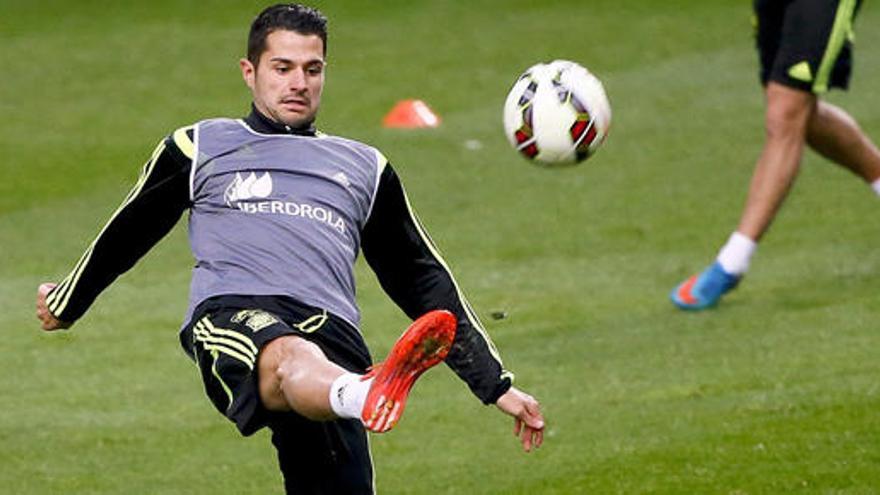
(424, 344)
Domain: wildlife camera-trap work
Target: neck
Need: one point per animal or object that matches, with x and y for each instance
(265, 125)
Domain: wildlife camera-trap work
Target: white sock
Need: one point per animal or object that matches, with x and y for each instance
(347, 395)
(876, 186)
(734, 257)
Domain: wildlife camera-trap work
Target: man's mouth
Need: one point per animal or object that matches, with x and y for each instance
(295, 102)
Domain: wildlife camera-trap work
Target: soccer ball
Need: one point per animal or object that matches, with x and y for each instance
(557, 113)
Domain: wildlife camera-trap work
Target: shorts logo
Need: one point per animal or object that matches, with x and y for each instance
(801, 72)
(254, 319)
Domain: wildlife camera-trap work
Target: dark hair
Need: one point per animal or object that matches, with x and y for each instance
(289, 16)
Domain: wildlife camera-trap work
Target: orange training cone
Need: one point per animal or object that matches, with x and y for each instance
(411, 114)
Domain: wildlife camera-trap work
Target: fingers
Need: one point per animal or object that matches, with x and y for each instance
(42, 307)
(48, 321)
(528, 424)
(533, 434)
(533, 416)
(526, 439)
(531, 438)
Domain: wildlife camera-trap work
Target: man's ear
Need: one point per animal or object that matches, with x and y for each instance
(248, 72)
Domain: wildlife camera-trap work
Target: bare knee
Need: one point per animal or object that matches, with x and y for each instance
(788, 112)
(284, 359)
(296, 375)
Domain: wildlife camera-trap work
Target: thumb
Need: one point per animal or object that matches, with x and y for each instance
(532, 416)
(45, 288)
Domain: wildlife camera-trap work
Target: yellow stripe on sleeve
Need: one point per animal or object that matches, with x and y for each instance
(469, 312)
(61, 296)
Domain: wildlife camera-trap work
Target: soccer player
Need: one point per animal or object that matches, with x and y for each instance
(805, 48)
(277, 215)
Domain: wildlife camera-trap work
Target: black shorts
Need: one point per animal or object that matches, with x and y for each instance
(225, 338)
(805, 44)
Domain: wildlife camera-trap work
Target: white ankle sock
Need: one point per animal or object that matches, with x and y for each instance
(734, 257)
(347, 395)
(876, 186)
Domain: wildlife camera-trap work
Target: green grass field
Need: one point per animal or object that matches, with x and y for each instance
(776, 391)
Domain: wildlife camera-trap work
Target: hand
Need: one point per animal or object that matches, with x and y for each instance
(49, 322)
(529, 423)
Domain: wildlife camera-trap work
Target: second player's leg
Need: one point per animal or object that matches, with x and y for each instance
(787, 116)
(788, 113)
(834, 134)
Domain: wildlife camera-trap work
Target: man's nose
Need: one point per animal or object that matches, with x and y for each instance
(296, 79)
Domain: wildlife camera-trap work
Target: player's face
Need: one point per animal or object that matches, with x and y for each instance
(288, 81)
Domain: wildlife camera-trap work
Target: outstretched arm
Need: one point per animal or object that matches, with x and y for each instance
(147, 214)
(410, 269)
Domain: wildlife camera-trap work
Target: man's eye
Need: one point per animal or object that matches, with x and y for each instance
(282, 70)
(315, 70)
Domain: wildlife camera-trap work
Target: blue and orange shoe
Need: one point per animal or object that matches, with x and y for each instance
(703, 290)
(424, 344)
